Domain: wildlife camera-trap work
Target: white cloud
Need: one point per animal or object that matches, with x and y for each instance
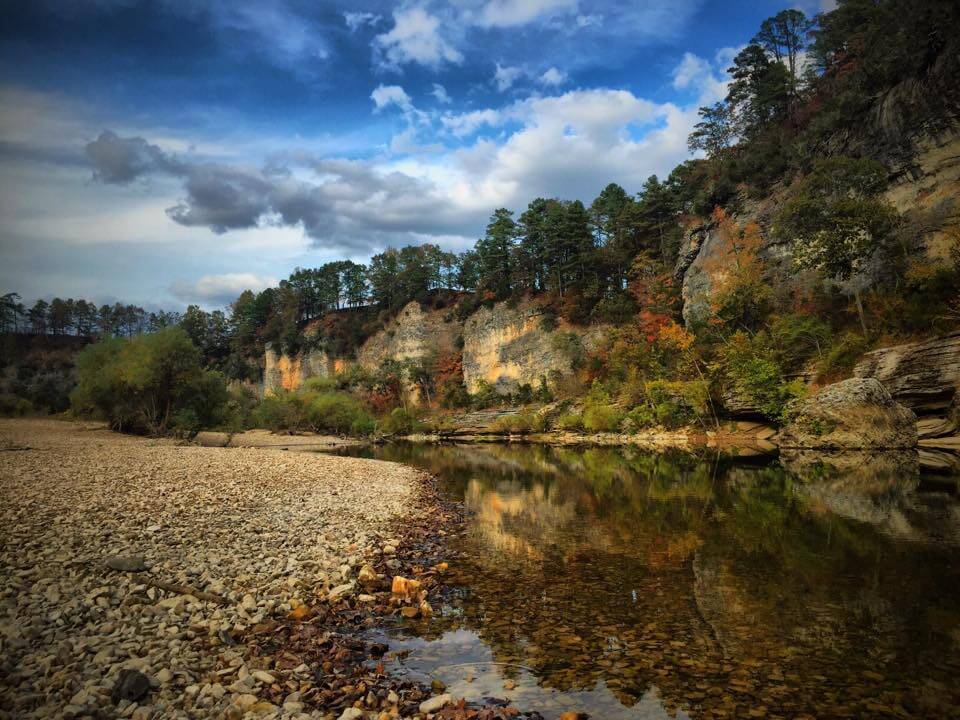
(585, 21)
(386, 95)
(504, 76)
(414, 38)
(552, 77)
(220, 289)
(697, 74)
(440, 93)
(356, 20)
(509, 13)
(467, 123)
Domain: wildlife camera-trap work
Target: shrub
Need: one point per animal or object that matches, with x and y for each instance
(281, 411)
(485, 396)
(750, 369)
(13, 406)
(400, 421)
(797, 337)
(336, 412)
(602, 418)
(142, 384)
(571, 421)
(841, 357)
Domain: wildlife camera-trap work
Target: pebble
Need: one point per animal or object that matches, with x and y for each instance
(435, 703)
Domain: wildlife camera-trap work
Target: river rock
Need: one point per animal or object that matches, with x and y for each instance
(855, 414)
(435, 703)
(131, 685)
(127, 563)
(924, 376)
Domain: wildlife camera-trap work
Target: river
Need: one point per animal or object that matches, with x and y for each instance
(624, 584)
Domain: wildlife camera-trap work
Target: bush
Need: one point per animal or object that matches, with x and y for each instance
(146, 383)
(602, 418)
(336, 412)
(750, 369)
(400, 421)
(798, 337)
(13, 406)
(570, 421)
(841, 358)
(281, 411)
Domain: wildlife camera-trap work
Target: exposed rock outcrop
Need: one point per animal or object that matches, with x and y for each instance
(509, 346)
(924, 376)
(414, 334)
(282, 372)
(856, 414)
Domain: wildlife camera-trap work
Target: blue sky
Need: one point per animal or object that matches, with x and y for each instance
(165, 152)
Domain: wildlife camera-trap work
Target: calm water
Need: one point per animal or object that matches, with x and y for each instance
(630, 585)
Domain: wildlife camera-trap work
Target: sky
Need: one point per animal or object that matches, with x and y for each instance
(168, 152)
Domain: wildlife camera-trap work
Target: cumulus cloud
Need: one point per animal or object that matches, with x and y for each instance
(414, 38)
(220, 289)
(386, 95)
(699, 75)
(463, 124)
(504, 76)
(552, 77)
(119, 160)
(570, 145)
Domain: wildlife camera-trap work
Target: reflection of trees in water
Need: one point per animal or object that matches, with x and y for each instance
(581, 565)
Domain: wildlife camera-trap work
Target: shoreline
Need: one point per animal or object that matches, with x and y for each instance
(307, 559)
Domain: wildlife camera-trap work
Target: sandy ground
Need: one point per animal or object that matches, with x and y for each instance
(263, 529)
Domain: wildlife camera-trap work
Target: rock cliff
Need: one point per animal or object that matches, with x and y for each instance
(509, 346)
(926, 192)
(924, 376)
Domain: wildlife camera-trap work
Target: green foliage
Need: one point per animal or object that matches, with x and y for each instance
(673, 404)
(400, 421)
(750, 370)
(570, 421)
(836, 217)
(843, 355)
(13, 406)
(521, 423)
(797, 337)
(602, 417)
(335, 412)
(144, 384)
(282, 411)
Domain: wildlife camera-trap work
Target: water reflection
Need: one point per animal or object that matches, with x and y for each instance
(626, 584)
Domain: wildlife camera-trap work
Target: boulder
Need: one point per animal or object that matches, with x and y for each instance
(924, 376)
(856, 414)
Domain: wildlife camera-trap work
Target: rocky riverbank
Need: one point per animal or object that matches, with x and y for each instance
(147, 579)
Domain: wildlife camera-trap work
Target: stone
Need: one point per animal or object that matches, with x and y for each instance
(248, 603)
(245, 701)
(339, 591)
(924, 376)
(367, 575)
(263, 676)
(131, 685)
(127, 563)
(404, 587)
(435, 703)
(855, 414)
(351, 714)
(164, 676)
(409, 611)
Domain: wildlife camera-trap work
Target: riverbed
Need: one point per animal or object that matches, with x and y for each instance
(623, 584)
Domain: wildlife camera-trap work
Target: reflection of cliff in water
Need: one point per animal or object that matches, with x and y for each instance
(719, 589)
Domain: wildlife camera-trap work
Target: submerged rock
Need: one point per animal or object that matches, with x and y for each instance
(856, 414)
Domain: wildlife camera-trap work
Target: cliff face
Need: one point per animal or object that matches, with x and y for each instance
(413, 335)
(926, 193)
(508, 347)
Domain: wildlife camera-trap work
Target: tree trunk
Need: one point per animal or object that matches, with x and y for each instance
(860, 313)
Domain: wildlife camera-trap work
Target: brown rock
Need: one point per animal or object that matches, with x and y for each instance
(856, 414)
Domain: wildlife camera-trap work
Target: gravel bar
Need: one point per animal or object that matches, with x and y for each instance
(243, 534)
